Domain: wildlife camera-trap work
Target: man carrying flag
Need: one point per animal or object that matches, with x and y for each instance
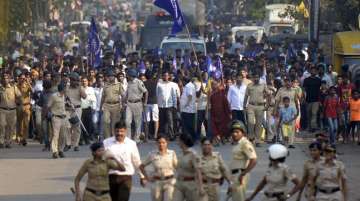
(94, 46)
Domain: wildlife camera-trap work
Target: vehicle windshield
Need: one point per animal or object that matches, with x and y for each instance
(247, 33)
(169, 48)
(275, 30)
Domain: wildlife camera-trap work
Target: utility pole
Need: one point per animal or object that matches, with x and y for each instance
(314, 20)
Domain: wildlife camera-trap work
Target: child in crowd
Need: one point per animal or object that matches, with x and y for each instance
(331, 107)
(355, 115)
(287, 122)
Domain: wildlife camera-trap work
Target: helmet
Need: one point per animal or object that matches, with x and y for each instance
(277, 151)
(132, 72)
(236, 124)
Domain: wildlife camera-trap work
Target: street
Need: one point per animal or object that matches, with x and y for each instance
(28, 174)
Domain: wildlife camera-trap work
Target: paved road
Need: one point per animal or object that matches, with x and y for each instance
(27, 174)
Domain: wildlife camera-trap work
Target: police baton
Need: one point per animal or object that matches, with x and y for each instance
(77, 115)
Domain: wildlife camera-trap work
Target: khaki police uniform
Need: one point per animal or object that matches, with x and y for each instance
(112, 97)
(310, 171)
(8, 97)
(186, 186)
(56, 106)
(285, 92)
(242, 152)
(276, 182)
(74, 130)
(213, 171)
(134, 110)
(97, 186)
(328, 180)
(24, 111)
(162, 178)
(255, 109)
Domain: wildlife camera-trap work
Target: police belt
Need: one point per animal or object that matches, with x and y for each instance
(257, 104)
(97, 193)
(187, 178)
(211, 180)
(59, 116)
(112, 103)
(235, 171)
(77, 106)
(274, 195)
(163, 178)
(8, 109)
(134, 101)
(328, 190)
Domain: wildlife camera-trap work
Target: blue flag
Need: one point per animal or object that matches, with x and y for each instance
(173, 8)
(209, 65)
(94, 46)
(219, 69)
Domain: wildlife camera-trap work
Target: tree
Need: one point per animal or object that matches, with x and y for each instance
(344, 12)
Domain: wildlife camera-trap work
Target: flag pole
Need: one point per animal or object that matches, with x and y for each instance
(192, 45)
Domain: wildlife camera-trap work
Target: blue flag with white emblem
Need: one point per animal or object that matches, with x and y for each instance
(173, 8)
(94, 46)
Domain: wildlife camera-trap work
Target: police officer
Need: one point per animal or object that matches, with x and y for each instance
(213, 170)
(24, 112)
(111, 103)
(74, 93)
(189, 183)
(329, 183)
(254, 104)
(243, 160)
(162, 179)
(277, 177)
(56, 106)
(136, 100)
(97, 186)
(310, 165)
(9, 96)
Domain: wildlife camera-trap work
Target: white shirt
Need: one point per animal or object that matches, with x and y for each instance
(90, 100)
(187, 105)
(126, 153)
(236, 96)
(98, 94)
(202, 100)
(166, 94)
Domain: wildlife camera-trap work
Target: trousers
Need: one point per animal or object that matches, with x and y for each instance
(7, 125)
(166, 121)
(162, 190)
(255, 117)
(312, 110)
(73, 135)
(134, 113)
(58, 134)
(111, 115)
(120, 187)
(23, 120)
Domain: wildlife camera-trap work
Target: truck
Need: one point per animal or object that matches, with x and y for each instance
(275, 23)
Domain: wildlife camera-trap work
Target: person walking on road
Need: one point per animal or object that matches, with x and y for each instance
(162, 180)
(243, 160)
(214, 170)
(330, 180)
(97, 186)
(126, 151)
(309, 170)
(136, 100)
(56, 106)
(277, 177)
(189, 182)
(10, 95)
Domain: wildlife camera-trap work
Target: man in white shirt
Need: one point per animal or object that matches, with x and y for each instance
(188, 109)
(236, 96)
(99, 87)
(167, 95)
(88, 105)
(124, 150)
